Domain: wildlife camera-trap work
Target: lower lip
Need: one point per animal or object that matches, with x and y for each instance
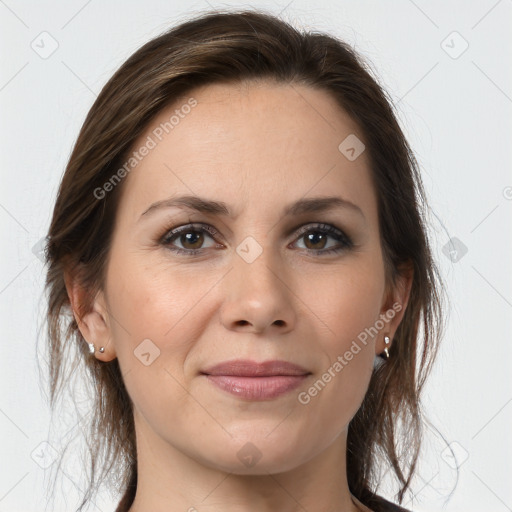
(257, 388)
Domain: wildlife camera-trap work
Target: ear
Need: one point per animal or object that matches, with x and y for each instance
(394, 305)
(91, 315)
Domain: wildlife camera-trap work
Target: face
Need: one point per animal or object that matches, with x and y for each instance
(267, 273)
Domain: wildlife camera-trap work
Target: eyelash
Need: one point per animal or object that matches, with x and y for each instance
(325, 229)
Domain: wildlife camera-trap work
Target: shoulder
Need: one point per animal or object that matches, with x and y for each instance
(376, 503)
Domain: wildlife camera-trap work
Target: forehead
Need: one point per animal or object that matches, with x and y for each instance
(251, 145)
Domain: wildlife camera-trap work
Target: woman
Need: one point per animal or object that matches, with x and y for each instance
(239, 236)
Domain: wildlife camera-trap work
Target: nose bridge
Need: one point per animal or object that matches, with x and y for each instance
(255, 291)
(258, 265)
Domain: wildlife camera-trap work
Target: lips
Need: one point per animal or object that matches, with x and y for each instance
(251, 380)
(248, 368)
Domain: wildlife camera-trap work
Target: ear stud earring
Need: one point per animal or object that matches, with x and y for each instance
(92, 348)
(378, 360)
(387, 341)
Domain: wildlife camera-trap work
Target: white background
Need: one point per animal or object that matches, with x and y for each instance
(456, 113)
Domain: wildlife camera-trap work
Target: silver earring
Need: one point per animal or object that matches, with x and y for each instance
(92, 348)
(387, 341)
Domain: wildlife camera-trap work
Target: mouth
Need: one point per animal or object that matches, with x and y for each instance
(256, 381)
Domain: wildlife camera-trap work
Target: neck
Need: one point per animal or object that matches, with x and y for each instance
(170, 480)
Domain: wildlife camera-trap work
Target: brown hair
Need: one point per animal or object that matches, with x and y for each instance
(235, 47)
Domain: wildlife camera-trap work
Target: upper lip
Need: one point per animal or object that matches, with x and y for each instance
(248, 368)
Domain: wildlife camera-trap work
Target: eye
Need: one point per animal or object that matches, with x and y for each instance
(316, 238)
(191, 237)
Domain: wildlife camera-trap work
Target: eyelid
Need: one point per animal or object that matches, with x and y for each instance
(170, 231)
(344, 240)
(327, 229)
(304, 228)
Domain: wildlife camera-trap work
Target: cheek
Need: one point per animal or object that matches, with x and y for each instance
(347, 301)
(152, 300)
(155, 322)
(348, 304)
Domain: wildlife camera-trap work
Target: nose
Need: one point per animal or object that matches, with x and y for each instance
(257, 297)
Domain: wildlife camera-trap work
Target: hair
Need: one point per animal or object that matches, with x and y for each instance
(234, 48)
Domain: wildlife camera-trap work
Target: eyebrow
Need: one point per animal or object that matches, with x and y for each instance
(200, 204)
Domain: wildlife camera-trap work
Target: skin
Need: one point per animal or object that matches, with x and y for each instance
(258, 148)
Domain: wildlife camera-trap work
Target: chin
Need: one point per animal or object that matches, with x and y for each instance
(255, 455)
